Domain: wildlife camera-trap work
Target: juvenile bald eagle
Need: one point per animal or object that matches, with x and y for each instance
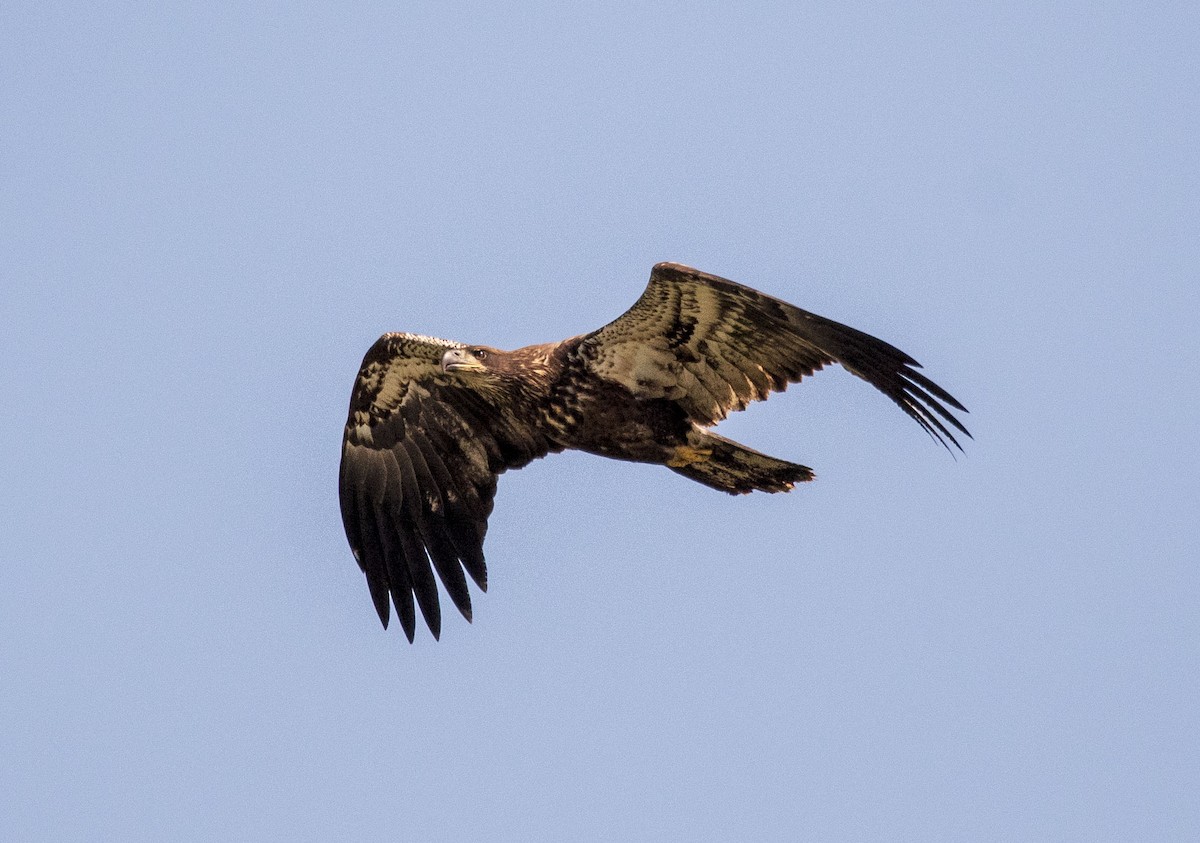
(433, 423)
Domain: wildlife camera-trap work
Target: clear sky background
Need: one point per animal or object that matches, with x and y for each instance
(208, 214)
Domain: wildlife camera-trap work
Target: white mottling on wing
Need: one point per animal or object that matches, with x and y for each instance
(392, 387)
(653, 369)
(421, 338)
(707, 304)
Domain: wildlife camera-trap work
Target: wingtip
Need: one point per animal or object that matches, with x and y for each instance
(409, 624)
(467, 612)
(383, 610)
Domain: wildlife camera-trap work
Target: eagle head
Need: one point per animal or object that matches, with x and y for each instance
(523, 373)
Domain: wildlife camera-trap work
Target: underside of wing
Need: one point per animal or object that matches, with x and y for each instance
(420, 458)
(713, 345)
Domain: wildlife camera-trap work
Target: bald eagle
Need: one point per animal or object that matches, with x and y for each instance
(433, 423)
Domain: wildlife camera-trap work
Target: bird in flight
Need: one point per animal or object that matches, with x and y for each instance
(433, 423)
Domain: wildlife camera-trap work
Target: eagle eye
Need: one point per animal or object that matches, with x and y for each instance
(479, 354)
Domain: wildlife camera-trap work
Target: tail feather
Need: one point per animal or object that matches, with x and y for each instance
(728, 466)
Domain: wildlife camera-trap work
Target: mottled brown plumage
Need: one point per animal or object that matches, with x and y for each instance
(433, 423)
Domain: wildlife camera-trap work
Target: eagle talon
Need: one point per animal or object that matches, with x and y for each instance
(685, 455)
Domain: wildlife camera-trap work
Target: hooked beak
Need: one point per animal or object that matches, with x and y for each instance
(458, 360)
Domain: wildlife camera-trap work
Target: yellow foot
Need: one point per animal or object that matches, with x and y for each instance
(686, 455)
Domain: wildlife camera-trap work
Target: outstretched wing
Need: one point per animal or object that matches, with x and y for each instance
(420, 456)
(713, 346)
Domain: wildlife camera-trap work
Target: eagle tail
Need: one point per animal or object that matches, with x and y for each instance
(728, 466)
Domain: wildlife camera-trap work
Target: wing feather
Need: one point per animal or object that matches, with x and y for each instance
(397, 582)
(459, 526)
(713, 346)
(420, 457)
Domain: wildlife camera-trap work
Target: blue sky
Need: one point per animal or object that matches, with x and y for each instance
(209, 214)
